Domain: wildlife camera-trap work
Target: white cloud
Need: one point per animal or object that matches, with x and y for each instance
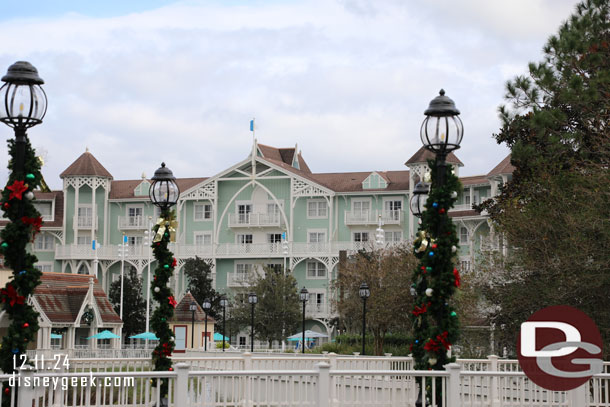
(347, 80)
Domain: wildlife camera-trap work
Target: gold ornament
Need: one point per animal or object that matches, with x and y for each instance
(170, 224)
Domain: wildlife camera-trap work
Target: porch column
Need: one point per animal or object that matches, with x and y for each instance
(75, 219)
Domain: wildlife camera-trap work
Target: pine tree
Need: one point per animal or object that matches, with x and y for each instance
(134, 304)
(198, 273)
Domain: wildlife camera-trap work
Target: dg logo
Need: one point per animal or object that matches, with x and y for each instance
(560, 348)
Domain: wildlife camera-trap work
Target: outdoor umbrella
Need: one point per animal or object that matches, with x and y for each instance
(104, 335)
(308, 334)
(145, 335)
(55, 336)
(218, 337)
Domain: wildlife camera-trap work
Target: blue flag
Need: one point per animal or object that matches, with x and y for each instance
(252, 125)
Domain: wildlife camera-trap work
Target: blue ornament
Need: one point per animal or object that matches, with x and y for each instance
(15, 351)
(22, 272)
(431, 254)
(417, 341)
(435, 205)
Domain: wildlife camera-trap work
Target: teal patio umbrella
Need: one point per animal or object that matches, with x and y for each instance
(145, 335)
(219, 337)
(55, 336)
(104, 335)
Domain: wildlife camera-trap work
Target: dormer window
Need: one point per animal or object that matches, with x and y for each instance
(374, 181)
(46, 210)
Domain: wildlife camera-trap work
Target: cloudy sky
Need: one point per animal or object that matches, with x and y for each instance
(142, 81)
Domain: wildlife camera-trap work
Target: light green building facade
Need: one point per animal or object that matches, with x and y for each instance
(268, 210)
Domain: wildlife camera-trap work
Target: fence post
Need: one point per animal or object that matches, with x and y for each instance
(247, 360)
(495, 401)
(324, 385)
(182, 384)
(26, 393)
(453, 385)
(576, 397)
(332, 360)
(247, 396)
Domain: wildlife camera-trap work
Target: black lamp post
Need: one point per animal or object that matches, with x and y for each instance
(164, 191)
(364, 293)
(304, 296)
(224, 303)
(252, 300)
(206, 308)
(193, 308)
(419, 198)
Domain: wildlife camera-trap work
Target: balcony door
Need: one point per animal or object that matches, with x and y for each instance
(243, 212)
(392, 209)
(134, 215)
(180, 338)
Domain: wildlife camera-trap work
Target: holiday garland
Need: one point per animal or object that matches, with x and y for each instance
(436, 278)
(164, 232)
(25, 222)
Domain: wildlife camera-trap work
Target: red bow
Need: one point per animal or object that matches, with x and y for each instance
(172, 301)
(11, 293)
(420, 310)
(432, 346)
(443, 339)
(17, 190)
(36, 222)
(174, 262)
(456, 274)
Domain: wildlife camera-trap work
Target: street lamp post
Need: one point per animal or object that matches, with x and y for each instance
(23, 104)
(224, 303)
(193, 308)
(419, 198)
(304, 296)
(148, 243)
(252, 300)
(364, 292)
(206, 308)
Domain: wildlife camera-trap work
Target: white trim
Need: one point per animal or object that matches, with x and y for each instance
(368, 232)
(202, 233)
(45, 235)
(309, 231)
(361, 199)
(204, 204)
(50, 264)
(52, 201)
(317, 277)
(129, 206)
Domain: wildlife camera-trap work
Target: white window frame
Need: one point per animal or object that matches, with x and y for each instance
(462, 241)
(237, 239)
(394, 234)
(268, 235)
(317, 202)
(44, 248)
(368, 239)
(52, 202)
(41, 265)
(312, 303)
(357, 200)
(317, 231)
(86, 237)
(248, 270)
(203, 235)
(317, 276)
(203, 212)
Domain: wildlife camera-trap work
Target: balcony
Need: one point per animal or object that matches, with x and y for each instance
(246, 220)
(360, 218)
(249, 249)
(85, 252)
(238, 280)
(317, 310)
(132, 223)
(85, 222)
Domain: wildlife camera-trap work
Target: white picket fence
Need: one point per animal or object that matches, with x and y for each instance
(262, 380)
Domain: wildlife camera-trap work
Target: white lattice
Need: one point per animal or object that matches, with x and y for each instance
(59, 234)
(91, 181)
(206, 191)
(302, 188)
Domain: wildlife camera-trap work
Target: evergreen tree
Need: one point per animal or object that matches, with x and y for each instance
(556, 208)
(198, 273)
(134, 304)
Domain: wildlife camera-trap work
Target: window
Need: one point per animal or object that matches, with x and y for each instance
(315, 269)
(393, 237)
(83, 240)
(316, 237)
(463, 235)
(273, 211)
(465, 265)
(85, 216)
(83, 269)
(203, 211)
(316, 302)
(242, 271)
(361, 207)
(242, 341)
(317, 209)
(276, 267)
(44, 242)
(274, 238)
(361, 236)
(135, 216)
(392, 209)
(203, 239)
(44, 267)
(243, 213)
(46, 209)
(244, 239)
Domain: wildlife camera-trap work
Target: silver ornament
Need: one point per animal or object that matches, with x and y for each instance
(453, 249)
(429, 292)
(157, 289)
(454, 194)
(29, 195)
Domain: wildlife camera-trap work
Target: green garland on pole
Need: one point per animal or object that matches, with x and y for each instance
(435, 321)
(163, 232)
(25, 222)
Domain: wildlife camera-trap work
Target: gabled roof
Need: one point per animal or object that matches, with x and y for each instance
(352, 181)
(505, 167)
(182, 312)
(423, 155)
(61, 296)
(124, 189)
(58, 196)
(86, 164)
(284, 155)
(474, 180)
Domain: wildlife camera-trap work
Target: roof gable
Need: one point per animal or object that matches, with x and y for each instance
(423, 155)
(504, 167)
(86, 164)
(375, 181)
(182, 312)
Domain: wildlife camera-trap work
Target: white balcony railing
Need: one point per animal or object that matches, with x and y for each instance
(237, 220)
(85, 222)
(265, 249)
(238, 280)
(132, 222)
(389, 217)
(393, 217)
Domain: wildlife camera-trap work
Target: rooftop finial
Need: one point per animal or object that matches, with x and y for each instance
(442, 92)
(86, 149)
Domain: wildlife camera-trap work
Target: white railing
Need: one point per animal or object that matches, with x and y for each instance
(132, 222)
(254, 219)
(361, 218)
(192, 250)
(393, 217)
(238, 279)
(85, 222)
(254, 249)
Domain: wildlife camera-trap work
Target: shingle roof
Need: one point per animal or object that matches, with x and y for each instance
(423, 155)
(59, 208)
(475, 179)
(86, 164)
(182, 313)
(352, 181)
(61, 296)
(505, 167)
(125, 188)
(284, 155)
